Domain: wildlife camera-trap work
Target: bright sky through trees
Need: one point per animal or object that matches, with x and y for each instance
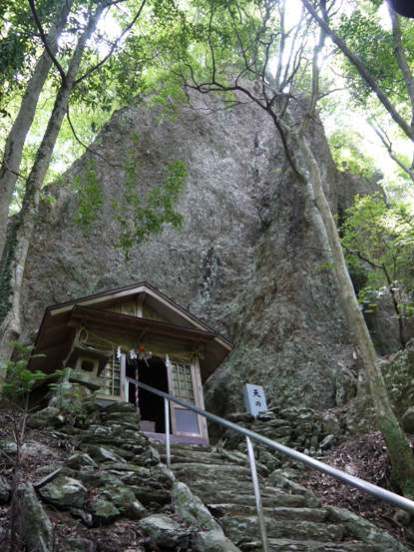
(351, 119)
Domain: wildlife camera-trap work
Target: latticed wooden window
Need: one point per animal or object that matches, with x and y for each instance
(182, 381)
(112, 377)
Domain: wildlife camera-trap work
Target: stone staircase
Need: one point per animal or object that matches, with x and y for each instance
(294, 517)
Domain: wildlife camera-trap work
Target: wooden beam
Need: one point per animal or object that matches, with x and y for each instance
(133, 325)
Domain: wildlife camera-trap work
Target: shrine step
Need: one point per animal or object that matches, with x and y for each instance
(288, 545)
(241, 528)
(295, 520)
(281, 513)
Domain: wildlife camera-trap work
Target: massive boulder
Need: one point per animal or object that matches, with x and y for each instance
(247, 259)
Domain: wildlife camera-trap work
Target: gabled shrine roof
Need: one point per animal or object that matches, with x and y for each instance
(167, 320)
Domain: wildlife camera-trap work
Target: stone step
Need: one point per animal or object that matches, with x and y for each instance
(241, 528)
(295, 520)
(288, 545)
(199, 457)
(216, 470)
(310, 500)
(222, 458)
(210, 493)
(219, 482)
(212, 458)
(318, 515)
(181, 448)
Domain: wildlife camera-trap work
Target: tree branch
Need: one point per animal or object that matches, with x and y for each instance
(315, 63)
(362, 257)
(386, 142)
(45, 41)
(114, 45)
(87, 148)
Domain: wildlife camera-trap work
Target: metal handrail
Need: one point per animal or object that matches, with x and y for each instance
(364, 486)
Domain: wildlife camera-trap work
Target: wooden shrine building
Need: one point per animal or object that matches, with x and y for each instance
(106, 338)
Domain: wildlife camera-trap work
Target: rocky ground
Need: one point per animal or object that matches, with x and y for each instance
(365, 457)
(94, 486)
(90, 482)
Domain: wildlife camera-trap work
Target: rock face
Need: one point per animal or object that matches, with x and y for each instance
(247, 258)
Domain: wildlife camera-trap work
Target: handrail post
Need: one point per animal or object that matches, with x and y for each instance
(256, 486)
(167, 430)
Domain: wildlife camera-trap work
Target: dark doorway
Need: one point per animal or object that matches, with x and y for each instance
(153, 372)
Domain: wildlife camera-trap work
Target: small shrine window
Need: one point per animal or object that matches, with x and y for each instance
(187, 421)
(182, 380)
(87, 364)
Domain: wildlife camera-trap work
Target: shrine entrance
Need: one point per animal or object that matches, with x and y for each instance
(180, 379)
(153, 372)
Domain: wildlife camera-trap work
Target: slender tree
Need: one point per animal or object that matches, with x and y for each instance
(13, 150)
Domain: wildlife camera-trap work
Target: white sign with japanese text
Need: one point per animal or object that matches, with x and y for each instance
(254, 399)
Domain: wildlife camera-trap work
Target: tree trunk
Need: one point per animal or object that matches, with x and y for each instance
(13, 149)
(11, 326)
(399, 449)
(397, 310)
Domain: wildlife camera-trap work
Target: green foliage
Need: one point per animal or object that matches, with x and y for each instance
(144, 60)
(20, 44)
(366, 35)
(71, 400)
(142, 64)
(347, 152)
(91, 198)
(326, 267)
(20, 381)
(378, 238)
(141, 215)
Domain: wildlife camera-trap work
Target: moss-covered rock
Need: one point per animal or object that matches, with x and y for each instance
(4, 490)
(360, 528)
(35, 527)
(50, 416)
(124, 500)
(165, 532)
(191, 510)
(103, 511)
(81, 460)
(213, 541)
(64, 492)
